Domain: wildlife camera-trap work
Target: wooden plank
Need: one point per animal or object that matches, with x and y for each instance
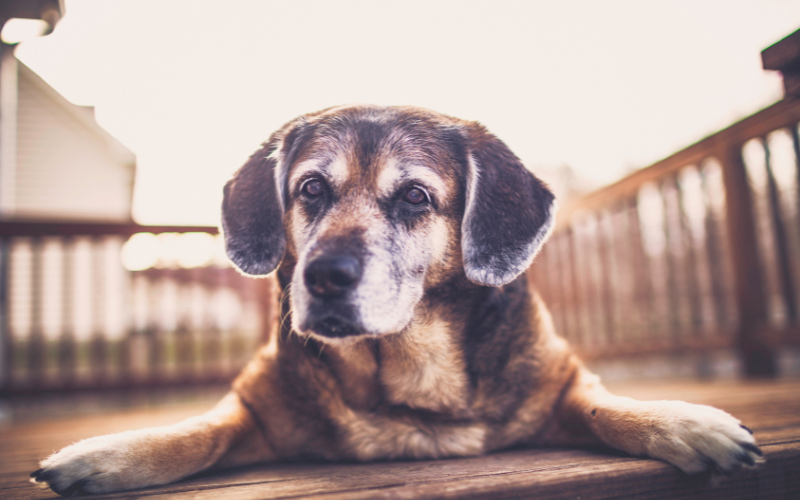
(772, 409)
(516, 474)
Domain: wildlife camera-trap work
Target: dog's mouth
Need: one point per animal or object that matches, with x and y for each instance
(332, 323)
(335, 328)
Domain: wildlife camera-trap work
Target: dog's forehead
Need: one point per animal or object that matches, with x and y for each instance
(380, 149)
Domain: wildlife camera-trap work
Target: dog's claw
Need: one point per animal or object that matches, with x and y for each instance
(43, 476)
(753, 448)
(746, 428)
(73, 490)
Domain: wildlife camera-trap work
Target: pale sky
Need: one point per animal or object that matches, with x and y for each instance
(193, 87)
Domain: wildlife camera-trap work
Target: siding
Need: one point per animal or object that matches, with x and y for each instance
(67, 166)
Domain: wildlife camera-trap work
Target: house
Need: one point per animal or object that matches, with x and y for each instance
(56, 162)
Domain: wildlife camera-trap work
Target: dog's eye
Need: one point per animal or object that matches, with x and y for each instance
(415, 196)
(313, 188)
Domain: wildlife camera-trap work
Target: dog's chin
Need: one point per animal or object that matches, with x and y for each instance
(334, 328)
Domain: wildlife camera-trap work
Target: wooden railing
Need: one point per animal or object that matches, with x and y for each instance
(72, 318)
(698, 251)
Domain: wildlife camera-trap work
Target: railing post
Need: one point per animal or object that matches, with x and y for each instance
(755, 351)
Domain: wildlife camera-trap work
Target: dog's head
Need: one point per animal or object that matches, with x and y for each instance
(368, 207)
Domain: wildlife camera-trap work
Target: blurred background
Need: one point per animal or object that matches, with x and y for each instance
(669, 137)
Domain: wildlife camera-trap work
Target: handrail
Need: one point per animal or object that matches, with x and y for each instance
(45, 227)
(782, 114)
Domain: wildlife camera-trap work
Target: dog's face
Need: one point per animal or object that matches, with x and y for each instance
(371, 207)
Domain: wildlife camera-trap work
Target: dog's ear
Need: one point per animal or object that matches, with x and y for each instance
(508, 215)
(252, 213)
(255, 200)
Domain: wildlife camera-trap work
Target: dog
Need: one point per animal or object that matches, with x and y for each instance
(408, 330)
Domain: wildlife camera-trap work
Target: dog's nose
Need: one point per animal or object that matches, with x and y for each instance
(332, 275)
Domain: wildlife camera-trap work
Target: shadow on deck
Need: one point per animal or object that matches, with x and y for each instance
(771, 409)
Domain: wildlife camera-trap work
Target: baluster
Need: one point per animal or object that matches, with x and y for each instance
(36, 342)
(691, 269)
(784, 263)
(605, 268)
(587, 248)
(673, 268)
(624, 274)
(129, 344)
(715, 255)
(584, 333)
(227, 279)
(556, 278)
(578, 331)
(796, 148)
(183, 334)
(157, 359)
(212, 345)
(66, 351)
(7, 353)
(645, 306)
(537, 274)
(98, 347)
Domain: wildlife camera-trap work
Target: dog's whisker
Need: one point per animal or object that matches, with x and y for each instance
(282, 302)
(285, 316)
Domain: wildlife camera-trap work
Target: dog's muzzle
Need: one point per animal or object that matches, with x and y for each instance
(329, 279)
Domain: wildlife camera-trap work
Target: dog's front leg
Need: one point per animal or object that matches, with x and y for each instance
(694, 438)
(147, 457)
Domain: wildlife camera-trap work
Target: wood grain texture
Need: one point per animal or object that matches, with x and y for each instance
(771, 409)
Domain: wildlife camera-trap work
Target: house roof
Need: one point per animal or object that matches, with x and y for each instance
(84, 115)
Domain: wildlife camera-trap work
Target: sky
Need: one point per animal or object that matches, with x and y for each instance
(193, 87)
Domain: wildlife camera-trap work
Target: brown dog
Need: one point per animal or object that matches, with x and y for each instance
(400, 237)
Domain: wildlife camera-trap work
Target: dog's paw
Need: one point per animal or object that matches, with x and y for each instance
(697, 438)
(100, 465)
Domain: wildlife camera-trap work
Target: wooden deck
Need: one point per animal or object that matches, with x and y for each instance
(771, 409)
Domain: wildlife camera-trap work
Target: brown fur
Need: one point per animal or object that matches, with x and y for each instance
(477, 368)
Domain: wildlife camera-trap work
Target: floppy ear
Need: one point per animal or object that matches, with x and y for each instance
(252, 214)
(509, 212)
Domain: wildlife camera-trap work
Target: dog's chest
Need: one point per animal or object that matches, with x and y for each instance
(424, 368)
